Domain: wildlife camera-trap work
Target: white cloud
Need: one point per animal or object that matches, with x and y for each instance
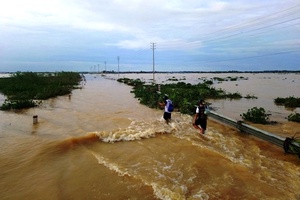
(195, 26)
(161, 44)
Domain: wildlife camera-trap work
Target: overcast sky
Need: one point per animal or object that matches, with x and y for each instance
(202, 35)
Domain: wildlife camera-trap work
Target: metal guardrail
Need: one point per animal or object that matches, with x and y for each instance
(277, 140)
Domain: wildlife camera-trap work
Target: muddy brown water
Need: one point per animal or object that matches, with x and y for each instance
(103, 144)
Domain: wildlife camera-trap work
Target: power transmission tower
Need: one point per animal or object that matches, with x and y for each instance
(153, 45)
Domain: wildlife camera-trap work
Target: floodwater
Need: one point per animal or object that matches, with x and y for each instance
(100, 143)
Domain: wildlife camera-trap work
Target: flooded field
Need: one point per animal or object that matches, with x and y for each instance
(103, 144)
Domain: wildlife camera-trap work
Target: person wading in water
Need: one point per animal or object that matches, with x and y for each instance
(200, 118)
(168, 108)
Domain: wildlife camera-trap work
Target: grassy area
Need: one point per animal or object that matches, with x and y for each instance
(22, 89)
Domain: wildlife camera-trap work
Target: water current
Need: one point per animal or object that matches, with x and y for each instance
(101, 143)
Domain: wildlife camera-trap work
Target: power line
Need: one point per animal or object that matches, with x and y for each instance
(265, 55)
(255, 27)
(261, 28)
(260, 19)
(274, 18)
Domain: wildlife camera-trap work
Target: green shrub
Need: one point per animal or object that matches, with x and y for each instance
(235, 95)
(209, 82)
(291, 102)
(219, 79)
(295, 117)
(233, 78)
(184, 95)
(131, 82)
(279, 101)
(256, 115)
(24, 87)
(172, 79)
(248, 96)
(17, 104)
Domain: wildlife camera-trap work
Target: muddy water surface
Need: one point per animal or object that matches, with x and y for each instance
(102, 144)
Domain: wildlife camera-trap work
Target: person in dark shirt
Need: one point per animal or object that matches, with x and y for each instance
(200, 118)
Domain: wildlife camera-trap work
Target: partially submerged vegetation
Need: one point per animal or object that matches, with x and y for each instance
(291, 102)
(294, 117)
(260, 116)
(229, 78)
(24, 89)
(182, 94)
(256, 115)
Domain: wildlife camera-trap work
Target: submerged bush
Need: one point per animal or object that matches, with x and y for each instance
(184, 95)
(256, 115)
(131, 82)
(292, 102)
(17, 104)
(218, 79)
(22, 88)
(208, 82)
(172, 79)
(248, 96)
(295, 117)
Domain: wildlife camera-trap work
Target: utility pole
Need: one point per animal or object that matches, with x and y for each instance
(118, 65)
(153, 47)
